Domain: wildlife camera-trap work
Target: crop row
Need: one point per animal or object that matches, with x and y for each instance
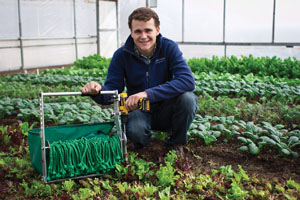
(254, 137)
(26, 90)
(57, 113)
(247, 78)
(273, 111)
(96, 65)
(53, 79)
(280, 91)
(21, 86)
(262, 66)
(49, 79)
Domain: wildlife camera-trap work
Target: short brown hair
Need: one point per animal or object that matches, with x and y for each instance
(143, 14)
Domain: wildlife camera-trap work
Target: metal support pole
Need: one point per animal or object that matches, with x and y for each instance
(273, 25)
(118, 24)
(147, 3)
(43, 140)
(75, 31)
(98, 26)
(182, 18)
(20, 35)
(224, 29)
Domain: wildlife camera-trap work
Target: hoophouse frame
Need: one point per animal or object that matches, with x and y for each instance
(105, 40)
(22, 42)
(225, 43)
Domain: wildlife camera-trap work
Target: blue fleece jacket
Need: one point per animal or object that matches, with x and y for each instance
(166, 76)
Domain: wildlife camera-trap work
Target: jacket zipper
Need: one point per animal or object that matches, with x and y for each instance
(147, 78)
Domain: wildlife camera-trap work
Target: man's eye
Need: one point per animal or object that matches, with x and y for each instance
(137, 31)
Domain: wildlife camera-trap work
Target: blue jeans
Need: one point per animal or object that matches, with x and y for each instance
(174, 115)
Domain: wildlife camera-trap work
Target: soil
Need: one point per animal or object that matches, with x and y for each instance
(198, 156)
(267, 165)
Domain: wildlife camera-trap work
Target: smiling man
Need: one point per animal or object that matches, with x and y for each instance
(150, 66)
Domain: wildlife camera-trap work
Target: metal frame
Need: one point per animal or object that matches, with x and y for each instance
(147, 2)
(116, 113)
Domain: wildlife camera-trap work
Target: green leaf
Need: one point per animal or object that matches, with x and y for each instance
(219, 127)
(234, 127)
(293, 139)
(279, 126)
(243, 140)
(216, 134)
(2, 162)
(267, 140)
(285, 152)
(254, 150)
(243, 148)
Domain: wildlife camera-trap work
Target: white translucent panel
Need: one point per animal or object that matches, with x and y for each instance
(170, 15)
(108, 43)
(86, 47)
(126, 8)
(48, 56)
(108, 14)
(47, 18)
(10, 59)
(203, 20)
(249, 20)
(263, 51)
(199, 51)
(153, 3)
(287, 27)
(86, 50)
(9, 19)
(85, 18)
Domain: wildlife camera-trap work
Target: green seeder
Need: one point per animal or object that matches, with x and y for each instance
(77, 151)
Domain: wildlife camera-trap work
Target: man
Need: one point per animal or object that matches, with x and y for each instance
(150, 66)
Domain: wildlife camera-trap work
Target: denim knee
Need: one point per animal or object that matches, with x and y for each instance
(187, 101)
(138, 128)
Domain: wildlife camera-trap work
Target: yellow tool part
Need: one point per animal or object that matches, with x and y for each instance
(143, 104)
(122, 107)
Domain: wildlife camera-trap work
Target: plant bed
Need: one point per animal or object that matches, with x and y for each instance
(205, 158)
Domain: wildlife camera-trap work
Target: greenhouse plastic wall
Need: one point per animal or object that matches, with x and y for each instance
(53, 32)
(226, 27)
(232, 27)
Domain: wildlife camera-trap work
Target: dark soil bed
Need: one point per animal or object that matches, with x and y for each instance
(267, 165)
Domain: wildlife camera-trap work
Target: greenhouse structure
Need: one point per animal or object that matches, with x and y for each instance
(203, 104)
(43, 33)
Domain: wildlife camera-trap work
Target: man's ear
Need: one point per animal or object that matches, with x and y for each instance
(157, 30)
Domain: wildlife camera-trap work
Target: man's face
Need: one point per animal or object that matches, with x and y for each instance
(144, 35)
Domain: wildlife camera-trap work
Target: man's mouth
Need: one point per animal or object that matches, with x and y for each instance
(145, 42)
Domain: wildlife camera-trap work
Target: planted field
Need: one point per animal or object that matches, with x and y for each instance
(244, 142)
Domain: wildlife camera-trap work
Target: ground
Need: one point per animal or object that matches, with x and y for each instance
(267, 165)
(197, 155)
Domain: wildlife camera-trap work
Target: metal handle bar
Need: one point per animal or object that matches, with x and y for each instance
(75, 93)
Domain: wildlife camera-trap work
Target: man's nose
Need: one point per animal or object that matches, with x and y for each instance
(143, 35)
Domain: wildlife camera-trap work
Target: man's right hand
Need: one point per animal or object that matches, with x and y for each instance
(91, 88)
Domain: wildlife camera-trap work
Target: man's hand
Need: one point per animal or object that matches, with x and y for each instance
(91, 88)
(132, 101)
